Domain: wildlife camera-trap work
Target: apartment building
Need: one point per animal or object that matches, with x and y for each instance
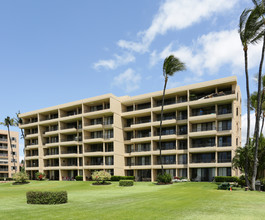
(201, 130)
(9, 155)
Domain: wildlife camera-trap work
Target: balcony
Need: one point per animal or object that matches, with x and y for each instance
(225, 128)
(3, 139)
(3, 147)
(3, 155)
(224, 144)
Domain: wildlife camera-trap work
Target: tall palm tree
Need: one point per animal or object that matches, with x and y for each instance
(247, 32)
(258, 12)
(9, 122)
(170, 67)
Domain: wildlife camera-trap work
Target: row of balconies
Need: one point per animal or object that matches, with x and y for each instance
(75, 110)
(194, 96)
(222, 157)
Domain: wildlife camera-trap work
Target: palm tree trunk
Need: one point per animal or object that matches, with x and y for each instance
(262, 125)
(160, 128)
(258, 119)
(248, 112)
(10, 143)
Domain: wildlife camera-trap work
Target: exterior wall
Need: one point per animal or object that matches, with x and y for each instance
(6, 163)
(135, 126)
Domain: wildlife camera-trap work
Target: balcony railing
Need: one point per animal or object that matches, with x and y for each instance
(203, 145)
(203, 161)
(224, 128)
(94, 164)
(182, 117)
(3, 147)
(165, 162)
(224, 161)
(203, 129)
(52, 165)
(3, 169)
(203, 112)
(224, 144)
(3, 139)
(3, 155)
(224, 111)
(68, 152)
(194, 97)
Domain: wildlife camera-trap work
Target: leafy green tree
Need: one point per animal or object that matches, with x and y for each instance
(20, 177)
(101, 176)
(170, 67)
(8, 122)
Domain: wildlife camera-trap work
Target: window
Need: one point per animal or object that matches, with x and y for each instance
(13, 145)
(13, 139)
(109, 147)
(224, 171)
(182, 159)
(236, 141)
(13, 168)
(109, 160)
(236, 111)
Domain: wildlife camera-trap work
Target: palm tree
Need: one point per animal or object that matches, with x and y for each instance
(170, 67)
(258, 12)
(246, 32)
(9, 122)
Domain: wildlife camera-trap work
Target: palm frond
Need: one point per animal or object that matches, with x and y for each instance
(172, 65)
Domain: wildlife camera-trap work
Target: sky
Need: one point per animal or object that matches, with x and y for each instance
(54, 52)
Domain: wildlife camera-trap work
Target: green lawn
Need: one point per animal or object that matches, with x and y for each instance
(142, 201)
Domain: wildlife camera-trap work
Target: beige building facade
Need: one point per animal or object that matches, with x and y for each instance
(9, 155)
(201, 130)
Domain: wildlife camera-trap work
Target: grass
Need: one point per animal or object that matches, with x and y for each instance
(142, 201)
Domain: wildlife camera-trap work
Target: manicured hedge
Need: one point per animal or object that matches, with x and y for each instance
(226, 179)
(126, 183)
(5, 178)
(79, 178)
(118, 178)
(37, 197)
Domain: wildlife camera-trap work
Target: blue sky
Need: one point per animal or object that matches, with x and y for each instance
(53, 52)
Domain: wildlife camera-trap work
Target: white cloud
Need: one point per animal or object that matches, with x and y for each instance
(252, 125)
(176, 15)
(127, 80)
(210, 52)
(116, 62)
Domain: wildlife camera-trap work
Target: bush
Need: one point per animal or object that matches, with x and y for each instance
(226, 179)
(118, 178)
(101, 176)
(6, 179)
(224, 186)
(165, 178)
(40, 176)
(79, 178)
(126, 183)
(35, 197)
(20, 177)
(242, 181)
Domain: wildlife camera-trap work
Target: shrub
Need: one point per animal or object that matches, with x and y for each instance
(242, 181)
(165, 178)
(118, 178)
(226, 179)
(101, 176)
(6, 179)
(126, 183)
(40, 176)
(79, 178)
(224, 186)
(35, 197)
(20, 177)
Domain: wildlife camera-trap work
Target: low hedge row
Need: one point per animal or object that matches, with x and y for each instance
(5, 179)
(118, 178)
(226, 179)
(79, 178)
(37, 197)
(126, 183)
